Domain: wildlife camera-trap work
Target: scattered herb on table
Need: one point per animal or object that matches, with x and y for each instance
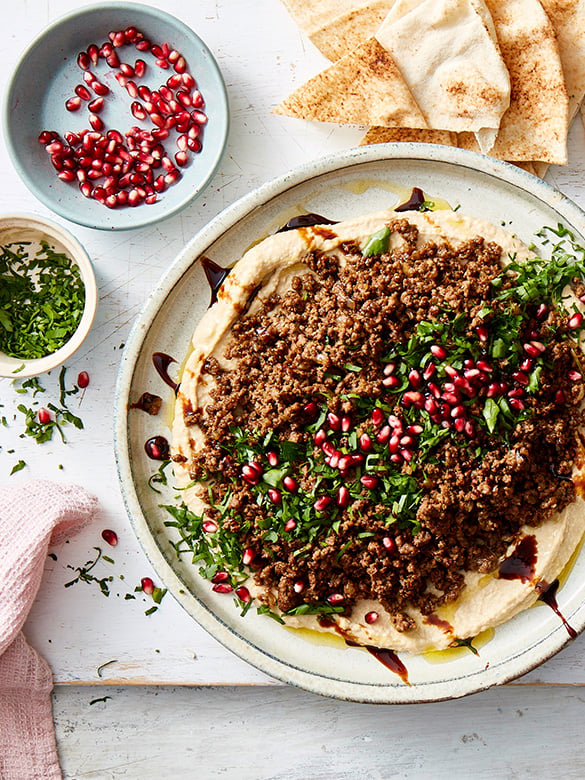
(18, 467)
(41, 300)
(102, 698)
(84, 574)
(103, 666)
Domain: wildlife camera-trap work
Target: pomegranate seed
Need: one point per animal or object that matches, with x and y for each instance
(346, 424)
(365, 442)
(46, 136)
(517, 404)
(290, 525)
(575, 321)
(394, 443)
(66, 175)
(369, 482)
(147, 586)
(459, 424)
(157, 51)
(344, 463)
(334, 459)
(389, 543)
(493, 390)
(377, 416)
(138, 110)
(430, 405)
(110, 537)
(333, 421)
(132, 89)
(299, 586)
(160, 185)
(482, 333)
(391, 381)
(458, 411)
(531, 349)
(320, 437)
(44, 416)
(469, 429)
(117, 38)
(243, 594)
(93, 53)
(559, 397)
(574, 376)
(290, 484)
(181, 158)
(96, 122)
(275, 496)
(407, 455)
(257, 467)
(83, 379)
(517, 392)
(542, 311)
(86, 189)
(526, 365)
(73, 104)
(413, 397)
(272, 458)
(343, 497)
(143, 45)
(335, 598)
(113, 60)
(139, 68)
(248, 556)
(127, 70)
(429, 371)
(82, 92)
(250, 475)
(371, 617)
(180, 65)
(199, 117)
(322, 503)
(310, 409)
(415, 379)
(210, 526)
(114, 135)
(438, 351)
(222, 587)
(83, 60)
(521, 378)
(484, 366)
(188, 80)
(328, 448)
(451, 372)
(96, 105)
(162, 64)
(121, 79)
(384, 435)
(99, 88)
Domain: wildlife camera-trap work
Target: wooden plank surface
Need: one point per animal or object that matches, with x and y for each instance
(263, 56)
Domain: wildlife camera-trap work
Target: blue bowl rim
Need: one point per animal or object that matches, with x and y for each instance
(30, 181)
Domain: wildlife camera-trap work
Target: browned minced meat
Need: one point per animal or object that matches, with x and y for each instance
(293, 350)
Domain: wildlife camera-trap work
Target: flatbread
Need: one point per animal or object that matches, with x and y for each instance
(383, 135)
(346, 31)
(447, 53)
(365, 88)
(536, 124)
(568, 20)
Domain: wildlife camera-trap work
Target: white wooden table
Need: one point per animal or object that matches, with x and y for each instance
(525, 729)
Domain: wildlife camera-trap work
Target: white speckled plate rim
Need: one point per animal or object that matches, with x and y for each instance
(524, 658)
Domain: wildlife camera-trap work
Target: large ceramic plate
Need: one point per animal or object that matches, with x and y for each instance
(338, 187)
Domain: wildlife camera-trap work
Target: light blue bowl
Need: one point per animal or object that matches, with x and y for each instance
(46, 77)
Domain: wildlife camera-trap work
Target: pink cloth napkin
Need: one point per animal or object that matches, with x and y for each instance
(32, 516)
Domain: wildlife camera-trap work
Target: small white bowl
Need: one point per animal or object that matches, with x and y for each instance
(26, 227)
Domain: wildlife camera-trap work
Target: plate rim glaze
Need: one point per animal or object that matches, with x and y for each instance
(390, 692)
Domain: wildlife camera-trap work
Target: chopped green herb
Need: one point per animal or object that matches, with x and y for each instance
(377, 243)
(84, 574)
(41, 300)
(103, 666)
(18, 467)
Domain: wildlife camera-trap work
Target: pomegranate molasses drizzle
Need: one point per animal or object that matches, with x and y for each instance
(215, 276)
(521, 563)
(549, 597)
(162, 362)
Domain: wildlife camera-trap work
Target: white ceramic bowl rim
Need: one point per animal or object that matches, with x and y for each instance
(518, 662)
(9, 365)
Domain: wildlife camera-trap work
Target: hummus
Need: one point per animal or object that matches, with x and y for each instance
(268, 270)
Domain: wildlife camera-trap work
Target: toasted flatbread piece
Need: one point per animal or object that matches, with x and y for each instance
(568, 20)
(383, 135)
(447, 52)
(346, 31)
(535, 126)
(365, 87)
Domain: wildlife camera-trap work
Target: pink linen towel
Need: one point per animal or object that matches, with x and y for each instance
(32, 516)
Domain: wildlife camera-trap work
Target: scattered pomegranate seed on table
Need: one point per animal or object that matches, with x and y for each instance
(147, 586)
(109, 536)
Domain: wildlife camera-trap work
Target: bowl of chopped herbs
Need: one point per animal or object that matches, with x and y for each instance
(48, 295)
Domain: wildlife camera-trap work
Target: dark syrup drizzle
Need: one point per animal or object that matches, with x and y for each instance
(149, 403)
(549, 597)
(416, 200)
(386, 657)
(520, 564)
(157, 448)
(162, 362)
(305, 220)
(215, 275)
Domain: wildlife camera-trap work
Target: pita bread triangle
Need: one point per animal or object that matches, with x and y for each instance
(364, 87)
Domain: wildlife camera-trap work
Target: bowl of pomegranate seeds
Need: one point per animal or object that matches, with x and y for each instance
(116, 116)
(48, 295)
